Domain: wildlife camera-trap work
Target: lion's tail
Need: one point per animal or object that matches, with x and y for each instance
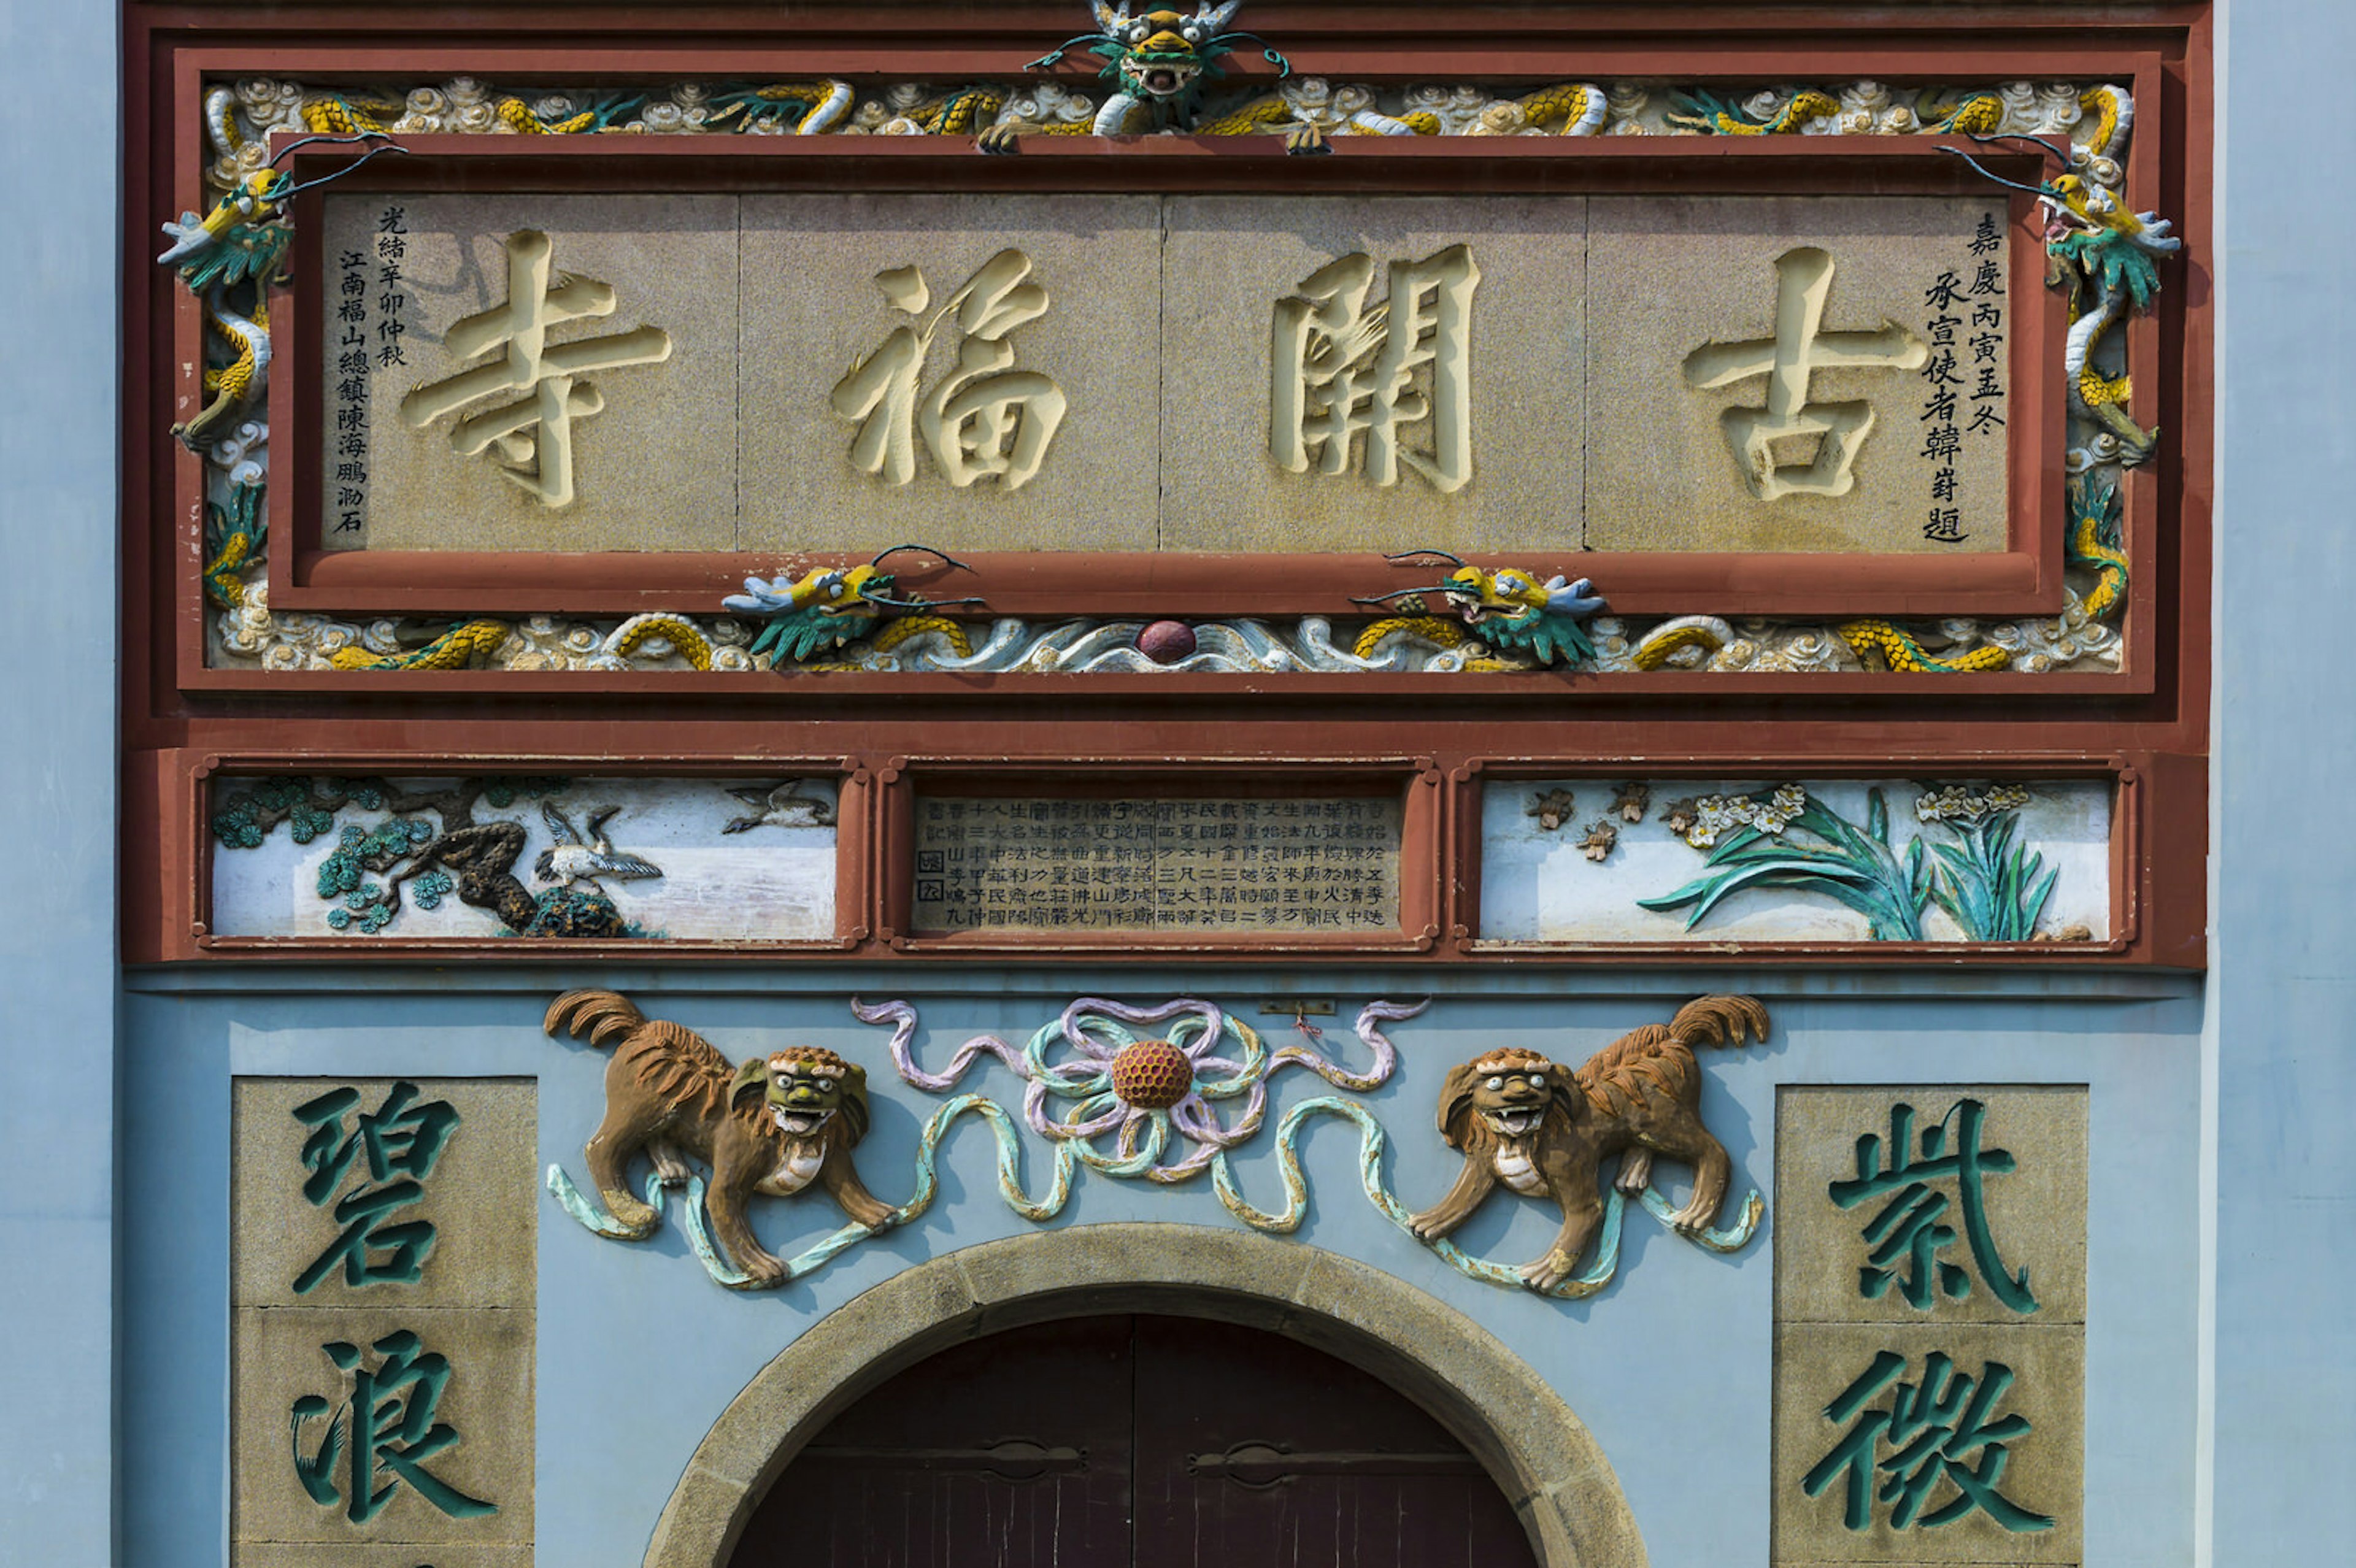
(1719, 1020)
(1658, 1059)
(601, 1017)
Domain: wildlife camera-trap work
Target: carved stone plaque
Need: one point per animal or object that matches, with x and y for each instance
(1196, 864)
(383, 1275)
(1930, 1324)
(1184, 373)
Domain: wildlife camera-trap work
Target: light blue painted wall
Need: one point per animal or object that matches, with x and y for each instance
(58, 595)
(2285, 1356)
(2285, 1003)
(1700, 1498)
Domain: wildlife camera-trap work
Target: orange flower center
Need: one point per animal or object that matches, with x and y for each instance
(1152, 1075)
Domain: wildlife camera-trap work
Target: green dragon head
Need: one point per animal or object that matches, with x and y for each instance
(828, 605)
(1160, 57)
(1511, 608)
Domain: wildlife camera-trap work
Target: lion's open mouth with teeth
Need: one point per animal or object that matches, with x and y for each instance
(1514, 1090)
(799, 1123)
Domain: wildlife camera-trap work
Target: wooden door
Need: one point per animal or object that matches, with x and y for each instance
(1133, 1442)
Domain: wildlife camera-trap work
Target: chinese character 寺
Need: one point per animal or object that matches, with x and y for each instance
(1799, 348)
(1934, 1429)
(1338, 368)
(553, 399)
(384, 1431)
(400, 1139)
(1910, 1232)
(985, 419)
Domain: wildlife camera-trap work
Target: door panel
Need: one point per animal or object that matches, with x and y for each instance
(1141, 1442)
(1253, 1450)
(999, 1453)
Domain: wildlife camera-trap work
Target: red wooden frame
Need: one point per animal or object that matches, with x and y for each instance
(2148, 726)
(2025, 578)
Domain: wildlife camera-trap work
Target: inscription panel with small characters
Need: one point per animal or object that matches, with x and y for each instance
(1197, 864)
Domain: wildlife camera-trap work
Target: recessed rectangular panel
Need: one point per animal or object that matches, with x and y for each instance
(1783, 861)
(1201, 863)
(1129, 374)
(745, 860)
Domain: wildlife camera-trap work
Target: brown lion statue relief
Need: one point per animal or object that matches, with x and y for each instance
(774, 1125)
(1543, 1131)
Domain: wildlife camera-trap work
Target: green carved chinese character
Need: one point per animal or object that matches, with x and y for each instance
(1910, 1232)
(1934, 1430)
(382, 1432)
(399, 1139)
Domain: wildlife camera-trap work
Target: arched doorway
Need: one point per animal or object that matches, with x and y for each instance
(1537, 1452)
(1133, 1441)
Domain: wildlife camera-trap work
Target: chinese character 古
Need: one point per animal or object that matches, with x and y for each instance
(985, 419)
(1800, 348)
(384, 1431)
(553, 399)
(1911, 1230)
(1338, 368)
(1937, 1429)
(401, 1139)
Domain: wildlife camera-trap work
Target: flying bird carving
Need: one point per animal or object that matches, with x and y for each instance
(579, 856)
(781, 806)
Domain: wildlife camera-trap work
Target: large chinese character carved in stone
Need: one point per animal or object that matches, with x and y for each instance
(1801, 346)
(548, 375)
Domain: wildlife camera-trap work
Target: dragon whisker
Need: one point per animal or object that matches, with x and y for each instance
(921, 549)
(2057, 155)
(917, 603)
(1985, 173)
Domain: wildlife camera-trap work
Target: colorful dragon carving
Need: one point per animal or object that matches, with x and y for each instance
(830, 605)
(1159, 63)
(2106, 255)
(1509, 609)
(2094, 541)
(228, 258)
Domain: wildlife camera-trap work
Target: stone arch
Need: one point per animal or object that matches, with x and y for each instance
(1539, 1454)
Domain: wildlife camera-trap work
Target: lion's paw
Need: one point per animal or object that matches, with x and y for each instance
(1426, 1227)
(1691, 1221)
(1307, 140)
(1547, 1273)
(762, 1270)
(999, 138)
(635, 1218)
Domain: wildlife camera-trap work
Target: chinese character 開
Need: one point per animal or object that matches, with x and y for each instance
(401, 1139)
(1911, 1230)
(1338, 368)
(384, 1431)
(985, 419)
(1938, 1428)
(553, 398)
(1804, 280)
